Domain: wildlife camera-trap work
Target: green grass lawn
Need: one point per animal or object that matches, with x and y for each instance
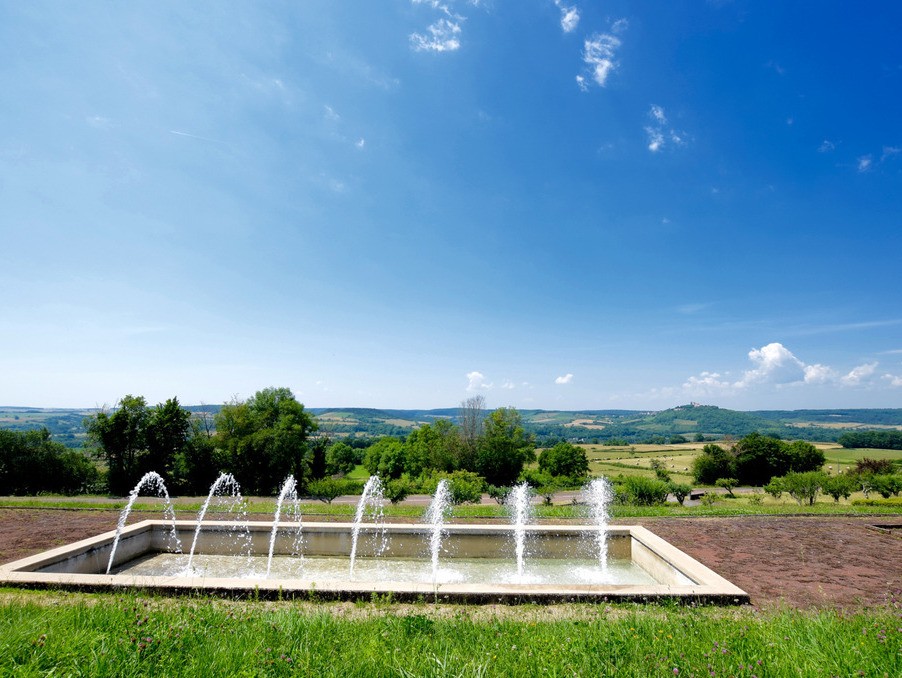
(55, 633)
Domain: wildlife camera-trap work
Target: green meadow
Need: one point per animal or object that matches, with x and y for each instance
(45, 633)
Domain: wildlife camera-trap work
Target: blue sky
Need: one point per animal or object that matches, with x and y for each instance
(403, 203)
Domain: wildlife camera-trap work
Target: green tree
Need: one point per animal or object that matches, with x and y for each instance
(168, 430)
(714, 462)
(340, 459)
(264, 439)
(840, 486)
(679, 491)
(760, 458)
(729, 484)
(564, 459)
(504, 447)
(386, 458)
(804, 487)
(803, 456)
(121, 438)
(30, 463)
(327, 489)
(471, 415)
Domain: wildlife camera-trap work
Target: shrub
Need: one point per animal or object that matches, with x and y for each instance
(708, 499)
(803, 486)
(660, 469)
(396, 490)
(728, 484)
(774, 488)
(327, 489)
(464, 486)
(840, 486)
(680, 491)
(886, 485)
(645, 491)
(564, 459)
(866, 466)
(497, 493)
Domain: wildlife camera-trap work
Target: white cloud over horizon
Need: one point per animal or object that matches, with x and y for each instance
(476, 381)
(777, 367)
(565, 379)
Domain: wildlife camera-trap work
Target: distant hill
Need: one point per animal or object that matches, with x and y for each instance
(632, 426)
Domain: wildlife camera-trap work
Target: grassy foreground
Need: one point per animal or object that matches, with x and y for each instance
(133, 635)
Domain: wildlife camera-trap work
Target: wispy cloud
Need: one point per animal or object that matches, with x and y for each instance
(566, 379)
(659, 131)
(889, 152)
(864, 163)
(444, 34)
(569, 16)
(600, 56)
(826, 146)
(196, 136)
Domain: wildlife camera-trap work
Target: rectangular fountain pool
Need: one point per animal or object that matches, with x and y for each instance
(476, 563)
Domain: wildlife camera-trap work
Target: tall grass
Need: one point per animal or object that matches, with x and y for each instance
(106, 635)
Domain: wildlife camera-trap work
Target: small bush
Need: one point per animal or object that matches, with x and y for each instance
(396, 490)
(465, 486)
(840, 486)
(804, 487)
(645, 491)
(728, 484)
(680, 491)
(774, 488)
(886, 485)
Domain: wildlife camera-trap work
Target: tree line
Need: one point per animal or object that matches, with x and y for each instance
(264, 439)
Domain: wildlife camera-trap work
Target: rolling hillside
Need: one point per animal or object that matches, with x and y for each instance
(597, 426)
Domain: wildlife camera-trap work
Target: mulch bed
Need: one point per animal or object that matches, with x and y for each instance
(804, 562)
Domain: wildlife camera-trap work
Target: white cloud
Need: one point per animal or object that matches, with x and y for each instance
(859, 375)
(774, 364)
(819, 374)
(566, 379)
(476, 382)
(509, 385)
(826, 146)
(444, 36)
(864, 163)
(655, 139)
(361, 142)
(599, 52)
(890, 151)
(569, 16)
(620, 26)
(660, 132)
(706, 382)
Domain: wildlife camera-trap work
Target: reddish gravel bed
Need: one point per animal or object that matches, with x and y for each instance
(798, 561)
